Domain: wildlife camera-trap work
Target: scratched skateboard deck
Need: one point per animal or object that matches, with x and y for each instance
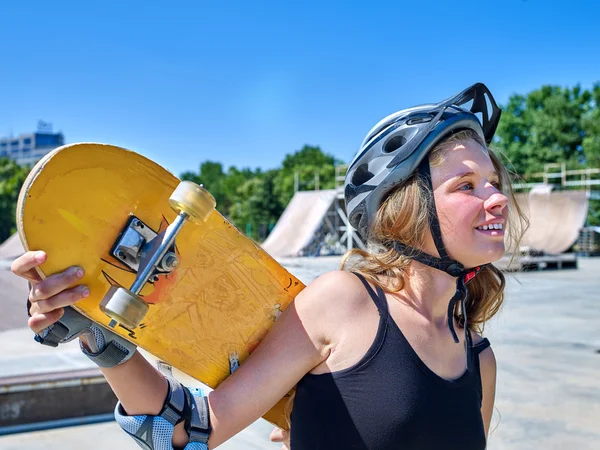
(214, 308)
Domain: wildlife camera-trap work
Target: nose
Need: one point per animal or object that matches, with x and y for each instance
(496, 201)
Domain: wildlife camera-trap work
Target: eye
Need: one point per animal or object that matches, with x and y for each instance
(497, 185)
(465, 187)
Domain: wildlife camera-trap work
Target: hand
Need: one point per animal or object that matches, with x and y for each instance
(279, 435)
(48, 297)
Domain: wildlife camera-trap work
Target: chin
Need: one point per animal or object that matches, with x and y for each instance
(484, 256)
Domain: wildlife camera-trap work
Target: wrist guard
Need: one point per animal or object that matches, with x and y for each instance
(106, 348)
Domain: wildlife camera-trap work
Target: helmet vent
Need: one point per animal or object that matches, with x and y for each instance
(420, 118)
(361, 175)
(394, 144)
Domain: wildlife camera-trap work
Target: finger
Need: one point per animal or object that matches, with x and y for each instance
(278, 435)
(60, 300)
(55, 284)
(39, 322)
(24, 265)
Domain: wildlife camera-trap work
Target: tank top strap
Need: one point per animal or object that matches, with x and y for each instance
(378, 298)
(480, 346)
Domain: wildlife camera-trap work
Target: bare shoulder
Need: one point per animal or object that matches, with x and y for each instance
(330, 300)
(336, 289)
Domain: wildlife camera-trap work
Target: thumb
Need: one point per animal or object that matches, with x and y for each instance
(279, 435)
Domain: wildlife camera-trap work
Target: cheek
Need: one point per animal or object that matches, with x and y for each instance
(457, 215)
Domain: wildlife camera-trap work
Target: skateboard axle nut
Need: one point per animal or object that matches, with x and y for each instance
(170, 261)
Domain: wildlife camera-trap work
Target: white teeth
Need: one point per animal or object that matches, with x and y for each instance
(492, 226)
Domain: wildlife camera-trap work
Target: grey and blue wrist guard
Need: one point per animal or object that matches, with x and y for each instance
(106, 348)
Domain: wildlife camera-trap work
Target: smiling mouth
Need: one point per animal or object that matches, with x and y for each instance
(495, 229)
(492, 226)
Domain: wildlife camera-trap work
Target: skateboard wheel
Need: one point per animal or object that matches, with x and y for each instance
(193, 200)
(124, 306)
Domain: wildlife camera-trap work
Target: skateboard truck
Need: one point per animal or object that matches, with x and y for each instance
(151, 254)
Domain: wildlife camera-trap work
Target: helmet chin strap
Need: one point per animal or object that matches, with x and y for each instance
(445, 264)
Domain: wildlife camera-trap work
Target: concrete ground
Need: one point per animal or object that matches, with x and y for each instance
(110, 436)
(547, 344)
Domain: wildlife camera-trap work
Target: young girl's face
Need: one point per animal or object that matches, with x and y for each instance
(471, 209)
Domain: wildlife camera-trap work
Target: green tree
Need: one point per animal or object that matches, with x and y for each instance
(12, 177)
(254, 200)
(546, 126)
(211, 176)
(307, 155)
(223, 186)
(306, 162)
(552, 125)
(591, 128)
(232, 182)
(256, 207)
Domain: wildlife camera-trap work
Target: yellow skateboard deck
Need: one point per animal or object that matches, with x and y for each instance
(216, 306)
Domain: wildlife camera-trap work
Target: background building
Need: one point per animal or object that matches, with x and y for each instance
(27, 149)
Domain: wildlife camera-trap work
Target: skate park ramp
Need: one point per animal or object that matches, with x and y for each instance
(556, 218)
(299, 222)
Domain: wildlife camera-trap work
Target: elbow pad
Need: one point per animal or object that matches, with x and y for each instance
(182, 404)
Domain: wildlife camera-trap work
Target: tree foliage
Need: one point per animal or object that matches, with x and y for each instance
(591, 128)
(12, 177)
(252, 199)
(552, 125)
(549, 125)
(311, 165)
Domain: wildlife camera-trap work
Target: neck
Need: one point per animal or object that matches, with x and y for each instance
(428, 291)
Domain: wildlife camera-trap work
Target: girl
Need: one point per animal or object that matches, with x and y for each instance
(385, 353)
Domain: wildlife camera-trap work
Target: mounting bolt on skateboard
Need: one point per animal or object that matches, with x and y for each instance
(151, 254)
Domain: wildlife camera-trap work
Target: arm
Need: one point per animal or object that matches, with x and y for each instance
(487, 362)
(298, 341)
(136, 382)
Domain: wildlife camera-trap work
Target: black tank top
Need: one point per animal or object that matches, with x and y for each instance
(389, 400)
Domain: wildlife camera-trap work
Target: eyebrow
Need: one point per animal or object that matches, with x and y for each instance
(462, 175)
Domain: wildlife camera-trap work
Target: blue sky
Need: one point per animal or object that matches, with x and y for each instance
(244, 83)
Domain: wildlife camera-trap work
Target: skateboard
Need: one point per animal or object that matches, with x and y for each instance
(165, 269)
